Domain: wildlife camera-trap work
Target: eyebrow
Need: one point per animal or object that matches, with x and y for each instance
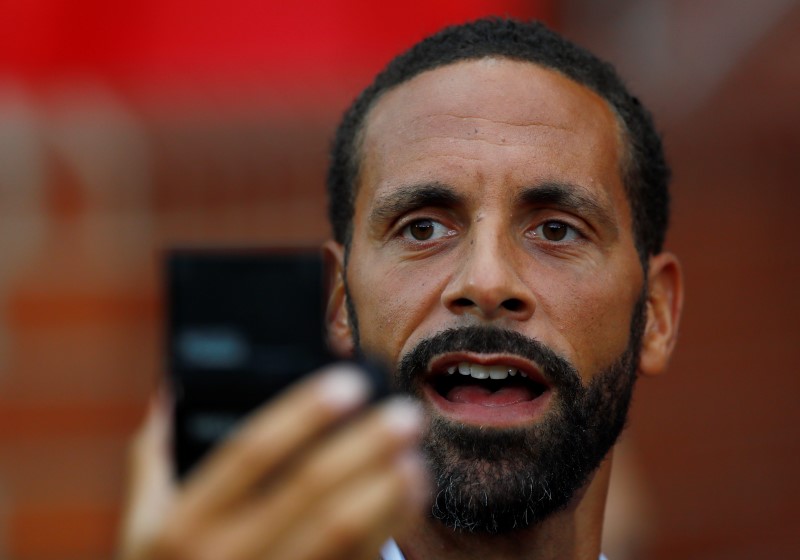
(408, 198)
(568, 197)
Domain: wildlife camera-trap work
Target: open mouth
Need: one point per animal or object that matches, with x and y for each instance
(495, 385)
(486, 389)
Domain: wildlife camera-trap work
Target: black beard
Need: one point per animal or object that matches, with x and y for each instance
(499, 480)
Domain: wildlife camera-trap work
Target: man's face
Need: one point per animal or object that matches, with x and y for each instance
(490, 205)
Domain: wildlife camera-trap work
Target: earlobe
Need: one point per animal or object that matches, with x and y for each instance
(337, 321)
(664, 305)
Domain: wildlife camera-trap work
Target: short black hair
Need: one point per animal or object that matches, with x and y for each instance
(645, 172)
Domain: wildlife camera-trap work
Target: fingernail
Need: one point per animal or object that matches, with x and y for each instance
(344, 387)
(403, 416)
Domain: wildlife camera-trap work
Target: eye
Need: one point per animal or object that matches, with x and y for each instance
(553, 230)
(424, 230)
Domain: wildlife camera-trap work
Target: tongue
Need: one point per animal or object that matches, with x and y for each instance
(475, 394)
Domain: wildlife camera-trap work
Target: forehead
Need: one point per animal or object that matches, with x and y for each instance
(518, 118)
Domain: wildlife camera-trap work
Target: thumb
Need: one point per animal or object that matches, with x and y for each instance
(151, 484)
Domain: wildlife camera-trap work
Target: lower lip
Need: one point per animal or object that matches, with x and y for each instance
(509, 415)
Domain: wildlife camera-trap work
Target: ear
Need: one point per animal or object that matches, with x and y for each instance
(664, 304)
(337, 320)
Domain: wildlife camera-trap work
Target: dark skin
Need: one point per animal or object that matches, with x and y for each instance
(490, 193)
(284, 486)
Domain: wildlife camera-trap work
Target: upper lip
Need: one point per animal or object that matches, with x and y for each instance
(439, 364)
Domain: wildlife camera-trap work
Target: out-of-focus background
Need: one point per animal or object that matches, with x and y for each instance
(127, 127)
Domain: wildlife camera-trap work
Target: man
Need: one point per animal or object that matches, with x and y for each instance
(499, 204)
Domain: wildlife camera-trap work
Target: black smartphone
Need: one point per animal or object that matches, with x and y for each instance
(242, 325)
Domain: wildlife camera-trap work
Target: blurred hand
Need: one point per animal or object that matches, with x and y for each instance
(294, 482)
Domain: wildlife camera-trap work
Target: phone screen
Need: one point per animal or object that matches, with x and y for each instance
(241, 326)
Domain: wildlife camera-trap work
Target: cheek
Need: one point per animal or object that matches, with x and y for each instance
(392, 301)
(593, 315)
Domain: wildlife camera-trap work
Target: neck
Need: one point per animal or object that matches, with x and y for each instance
(571, 534)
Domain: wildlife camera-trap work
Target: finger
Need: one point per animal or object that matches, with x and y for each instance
(269, 439)
(151, 486)
(355, 521)
(369, 445)
(414, 503)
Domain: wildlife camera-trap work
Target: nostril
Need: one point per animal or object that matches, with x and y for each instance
(463, 302)
(513, 304)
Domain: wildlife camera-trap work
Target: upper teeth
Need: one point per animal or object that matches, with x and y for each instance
(484, 372)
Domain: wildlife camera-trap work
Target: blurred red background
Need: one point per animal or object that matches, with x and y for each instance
(129, 127)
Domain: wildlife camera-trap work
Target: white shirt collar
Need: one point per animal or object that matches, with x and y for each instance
(391, 551)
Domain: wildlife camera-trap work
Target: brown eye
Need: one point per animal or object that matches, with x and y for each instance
(556, 231)
(421, 230)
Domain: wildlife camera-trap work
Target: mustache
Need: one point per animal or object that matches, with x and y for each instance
(487, 339)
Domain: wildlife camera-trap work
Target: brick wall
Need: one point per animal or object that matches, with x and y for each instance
(91, 192)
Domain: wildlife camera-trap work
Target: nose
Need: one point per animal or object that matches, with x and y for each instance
(488, 282)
